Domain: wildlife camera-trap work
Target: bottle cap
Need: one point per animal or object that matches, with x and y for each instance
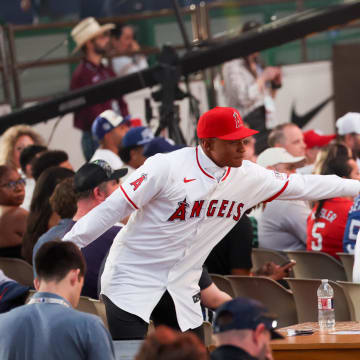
(324, 280)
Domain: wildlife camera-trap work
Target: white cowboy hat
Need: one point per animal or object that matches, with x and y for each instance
(88, 29)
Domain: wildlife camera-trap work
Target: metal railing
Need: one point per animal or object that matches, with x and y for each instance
(11, 69)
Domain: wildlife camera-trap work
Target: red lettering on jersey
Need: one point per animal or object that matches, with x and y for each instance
(238, 214)
(222, 208)
(211, 208)
(180, 212)
(195, 212)
(138, 182)
(230, 210)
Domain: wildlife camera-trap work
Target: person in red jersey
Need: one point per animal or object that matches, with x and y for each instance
(327, 221)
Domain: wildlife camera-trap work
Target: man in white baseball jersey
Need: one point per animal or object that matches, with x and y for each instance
(186, 202)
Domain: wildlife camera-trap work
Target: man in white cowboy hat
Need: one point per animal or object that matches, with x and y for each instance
(93, 39)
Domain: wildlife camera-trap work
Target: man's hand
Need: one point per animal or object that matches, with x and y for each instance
(274, 271)
(135, 46)
(271, 73)
(279, 272)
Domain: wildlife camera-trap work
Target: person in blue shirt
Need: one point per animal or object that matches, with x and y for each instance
(48, 327)
(92, 184)
(352, 227)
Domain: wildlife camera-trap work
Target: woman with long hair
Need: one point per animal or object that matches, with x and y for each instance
(41, 217)
(327, 221)
(14, 140)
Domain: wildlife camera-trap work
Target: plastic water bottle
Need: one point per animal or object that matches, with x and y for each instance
(325, 294)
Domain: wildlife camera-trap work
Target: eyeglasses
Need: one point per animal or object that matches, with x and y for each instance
(13, 184)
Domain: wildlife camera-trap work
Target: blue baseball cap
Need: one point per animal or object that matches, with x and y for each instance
(137, 136)
(244, 314)
(12, 294)
(159, 145)
(107, 121)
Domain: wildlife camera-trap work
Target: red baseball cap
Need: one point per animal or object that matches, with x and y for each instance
(313, 138)
(223, 123)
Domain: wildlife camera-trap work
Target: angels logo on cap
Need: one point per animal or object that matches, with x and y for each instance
(237, 120)
(219, 123)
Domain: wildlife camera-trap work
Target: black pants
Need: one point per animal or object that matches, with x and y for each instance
(126, 326)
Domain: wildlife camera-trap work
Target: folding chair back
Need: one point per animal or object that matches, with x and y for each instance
(222, 283)
(316, 265)
(305, 296)
(18, 270)
(348, 262)
(260, 256)
(352, 294)
(93, 306)
(275, 297)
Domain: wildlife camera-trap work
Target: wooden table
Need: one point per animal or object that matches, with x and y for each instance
(318, 345)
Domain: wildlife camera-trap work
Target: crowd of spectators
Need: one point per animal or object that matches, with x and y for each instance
(42, 200)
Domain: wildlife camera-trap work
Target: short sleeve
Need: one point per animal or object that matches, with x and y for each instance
(146, 182)
(205, 280)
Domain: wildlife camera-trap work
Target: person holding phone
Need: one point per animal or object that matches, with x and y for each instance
(123, 42)
(251, 87)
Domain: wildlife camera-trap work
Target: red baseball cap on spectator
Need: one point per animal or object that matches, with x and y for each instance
(223, 123)
(313, 138)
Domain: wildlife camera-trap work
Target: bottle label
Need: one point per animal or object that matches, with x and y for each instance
(325, 303)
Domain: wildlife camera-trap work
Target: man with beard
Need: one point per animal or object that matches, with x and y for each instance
(93, 40)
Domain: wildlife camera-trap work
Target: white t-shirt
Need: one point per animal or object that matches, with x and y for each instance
(109, 156)
(125, 65)
(29, 190)
(185, 205)
(282, 225)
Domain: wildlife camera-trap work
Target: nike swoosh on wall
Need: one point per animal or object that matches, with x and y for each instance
(302, 120)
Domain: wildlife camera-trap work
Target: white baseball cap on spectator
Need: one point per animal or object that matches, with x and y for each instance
(348, 124)
(277, 155)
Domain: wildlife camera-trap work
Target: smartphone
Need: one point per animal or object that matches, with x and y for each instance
(287, 263)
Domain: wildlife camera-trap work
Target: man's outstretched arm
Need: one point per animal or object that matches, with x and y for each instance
(99, 220)
(317, 187)
(140, 188)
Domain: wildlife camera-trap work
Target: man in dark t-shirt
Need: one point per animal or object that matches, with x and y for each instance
(232, 255)
(93, 183)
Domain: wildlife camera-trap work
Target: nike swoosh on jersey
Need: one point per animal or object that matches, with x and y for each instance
(302, 120)
(188, 180)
